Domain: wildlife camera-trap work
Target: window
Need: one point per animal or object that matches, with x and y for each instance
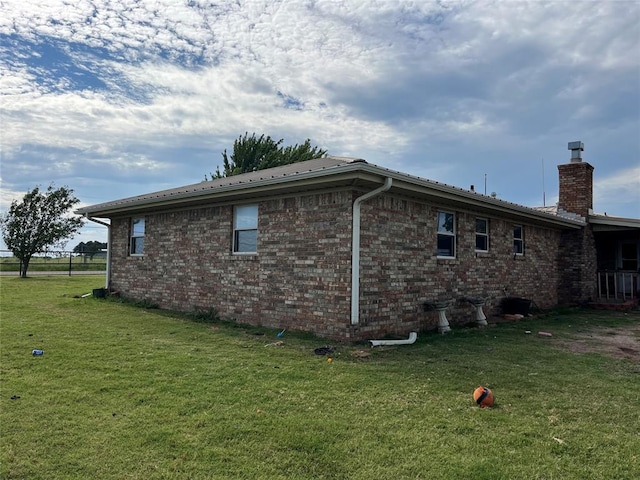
(518, 240)
(482, 235)
(629, 256)
(245, 229)
(137, 236)
(446, 235)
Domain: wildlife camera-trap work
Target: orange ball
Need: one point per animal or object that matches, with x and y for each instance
(483, 397)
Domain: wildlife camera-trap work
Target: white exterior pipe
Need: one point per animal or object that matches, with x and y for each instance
(413, 336)
(355, 249)
(108, 272)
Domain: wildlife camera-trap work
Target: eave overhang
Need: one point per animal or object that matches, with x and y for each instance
(356, 174)
(605, 223)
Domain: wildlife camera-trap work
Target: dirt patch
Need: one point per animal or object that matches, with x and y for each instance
(619, 342)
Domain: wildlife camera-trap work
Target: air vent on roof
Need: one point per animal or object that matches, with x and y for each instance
(358, 160)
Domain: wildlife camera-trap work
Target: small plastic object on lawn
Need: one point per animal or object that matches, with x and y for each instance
(37, 353)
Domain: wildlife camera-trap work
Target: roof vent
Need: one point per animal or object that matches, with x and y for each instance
(576, 151)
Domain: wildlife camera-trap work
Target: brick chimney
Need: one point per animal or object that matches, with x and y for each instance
(576, 183)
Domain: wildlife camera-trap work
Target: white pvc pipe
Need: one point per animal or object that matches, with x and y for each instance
(413, 336)
(355, 249)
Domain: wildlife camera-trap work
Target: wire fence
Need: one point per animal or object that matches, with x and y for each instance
(56, 261)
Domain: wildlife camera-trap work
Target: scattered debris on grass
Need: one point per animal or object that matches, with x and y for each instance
(323, 350)
(545, 334)
(275, 344)
(360, 353)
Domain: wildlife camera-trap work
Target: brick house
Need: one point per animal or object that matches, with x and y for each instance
(346, 249)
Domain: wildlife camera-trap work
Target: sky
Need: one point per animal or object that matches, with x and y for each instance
(116, 98)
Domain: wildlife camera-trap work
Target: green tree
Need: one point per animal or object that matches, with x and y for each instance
(39, 222)
(251, 153)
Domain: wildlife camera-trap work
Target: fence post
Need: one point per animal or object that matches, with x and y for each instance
(70, 254)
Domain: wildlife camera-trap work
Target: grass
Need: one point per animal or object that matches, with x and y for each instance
(125, 392)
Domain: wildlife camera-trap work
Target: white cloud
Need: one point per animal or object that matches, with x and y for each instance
(618, 190)
(135, 87)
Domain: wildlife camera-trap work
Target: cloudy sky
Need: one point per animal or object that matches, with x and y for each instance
(115, 98)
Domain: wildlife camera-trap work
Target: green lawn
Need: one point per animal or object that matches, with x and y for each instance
(123, 392)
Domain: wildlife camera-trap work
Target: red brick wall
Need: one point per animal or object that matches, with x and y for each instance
(578, 266)
(576, 187)
(299, 280)
(400, 269)
(301, 277)
(577, 262)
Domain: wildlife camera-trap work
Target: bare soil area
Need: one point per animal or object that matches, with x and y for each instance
(619, 342)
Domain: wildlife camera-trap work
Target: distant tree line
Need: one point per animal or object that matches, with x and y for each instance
(89, 249)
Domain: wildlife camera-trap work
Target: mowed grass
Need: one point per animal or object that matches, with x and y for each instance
(124, 392)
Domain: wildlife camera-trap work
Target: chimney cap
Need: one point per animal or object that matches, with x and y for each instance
(576, 151)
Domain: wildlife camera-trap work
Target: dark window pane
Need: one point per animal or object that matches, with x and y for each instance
(481, 225)
(246, 241)
(137, 245)
(482, 242)
(446, 245)
(518, 246)
(517, 232)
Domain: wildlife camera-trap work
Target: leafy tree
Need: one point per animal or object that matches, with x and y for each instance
(89, 249)
(252, 153)
(39, 222)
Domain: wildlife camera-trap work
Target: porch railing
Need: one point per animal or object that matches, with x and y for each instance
(618, 285)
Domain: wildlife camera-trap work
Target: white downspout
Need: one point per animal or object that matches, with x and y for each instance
(108, 276)
(355, 249)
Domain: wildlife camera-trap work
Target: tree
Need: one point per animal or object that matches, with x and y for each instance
(251, 153)
(89, 249)
(39, 222)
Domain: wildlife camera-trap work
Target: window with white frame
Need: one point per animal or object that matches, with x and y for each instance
(137, 236)
(446, 235)
(245, 229)
(518, 240)
(482, 235)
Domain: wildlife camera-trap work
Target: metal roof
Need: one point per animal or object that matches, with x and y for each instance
(321, 174)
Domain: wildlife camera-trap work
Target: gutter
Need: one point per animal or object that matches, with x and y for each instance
(355, 249)
(108, 276)
(438, 192)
